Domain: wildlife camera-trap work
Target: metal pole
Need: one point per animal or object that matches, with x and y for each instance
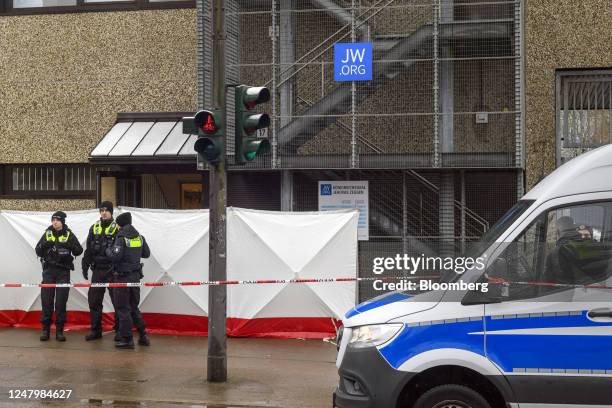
(436, 102)
(217, 295)
(354, 154)
(462, 212)
(404, 212)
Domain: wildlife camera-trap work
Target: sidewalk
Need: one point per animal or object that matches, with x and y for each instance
(261, 372)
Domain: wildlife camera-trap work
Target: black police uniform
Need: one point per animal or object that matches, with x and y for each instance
(101, 236)
(57, 250)
(126, 252)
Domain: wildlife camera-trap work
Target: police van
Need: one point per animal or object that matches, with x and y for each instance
(539, 337)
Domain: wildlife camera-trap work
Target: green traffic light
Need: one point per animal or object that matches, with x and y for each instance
(248, 121)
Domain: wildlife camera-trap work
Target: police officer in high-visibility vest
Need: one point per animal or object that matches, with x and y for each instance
(57, 248)
(101, 236)
(126, 252)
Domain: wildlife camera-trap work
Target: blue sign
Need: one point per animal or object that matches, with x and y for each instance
(326, 189)
(352, 62)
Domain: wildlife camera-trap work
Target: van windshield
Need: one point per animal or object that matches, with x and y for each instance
(477, 248)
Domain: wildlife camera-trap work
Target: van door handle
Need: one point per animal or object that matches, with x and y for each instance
(599, 313)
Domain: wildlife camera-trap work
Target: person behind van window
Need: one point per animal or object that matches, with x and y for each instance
(56, 248)
(126, 252)
(587, 258)
(101, 236)
(563, 264)
(566, 230)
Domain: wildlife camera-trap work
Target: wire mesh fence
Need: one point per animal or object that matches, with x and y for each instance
(406, 211)
(445, 88)
(444, 100)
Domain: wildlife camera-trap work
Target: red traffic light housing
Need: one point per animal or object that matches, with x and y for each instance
(207, 124)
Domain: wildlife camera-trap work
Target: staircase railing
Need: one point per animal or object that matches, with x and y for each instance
(346, 129)
(470, 213)
(331, 40)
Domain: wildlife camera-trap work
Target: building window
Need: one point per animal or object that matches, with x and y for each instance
(584, 112)
(43, 3)
(80, 178)
(70, 6)
(40, 181)
(28, 179)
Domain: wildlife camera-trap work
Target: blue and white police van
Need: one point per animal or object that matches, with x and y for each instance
(540, 338)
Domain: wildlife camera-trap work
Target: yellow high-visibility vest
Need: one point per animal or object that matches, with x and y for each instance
(109, 231)
(133, 242)
(62, 238)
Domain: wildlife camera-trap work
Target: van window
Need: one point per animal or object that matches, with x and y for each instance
(568, 246)
(477, 248)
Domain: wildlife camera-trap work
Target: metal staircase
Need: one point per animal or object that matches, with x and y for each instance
(325, 112)
(413, 217)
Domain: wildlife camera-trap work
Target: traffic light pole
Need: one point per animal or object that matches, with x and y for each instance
(217, 295)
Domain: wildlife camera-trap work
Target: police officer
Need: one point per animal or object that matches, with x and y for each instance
(101, 236)
(125, 253)
(57, 248)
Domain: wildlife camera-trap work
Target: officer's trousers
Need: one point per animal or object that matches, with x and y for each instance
(95, 297)
(54, 274)
(126, 304)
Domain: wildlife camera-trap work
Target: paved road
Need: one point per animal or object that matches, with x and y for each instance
(262, 372)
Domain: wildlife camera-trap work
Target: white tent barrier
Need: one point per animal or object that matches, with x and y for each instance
(260, 245)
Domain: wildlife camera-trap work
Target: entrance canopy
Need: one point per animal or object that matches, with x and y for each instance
(146, 137)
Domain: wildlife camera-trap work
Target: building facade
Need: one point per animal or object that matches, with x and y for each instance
(471, 103)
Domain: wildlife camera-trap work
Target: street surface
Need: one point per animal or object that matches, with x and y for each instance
(170, 373)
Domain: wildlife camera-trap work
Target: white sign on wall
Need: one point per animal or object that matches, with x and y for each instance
(337, 195)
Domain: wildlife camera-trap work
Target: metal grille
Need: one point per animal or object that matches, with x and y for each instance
(584, 112)
(445, 91)
(28, 178)
(152, 193)
(406, 210)
(82, 178)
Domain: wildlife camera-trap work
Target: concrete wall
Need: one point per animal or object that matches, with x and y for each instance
(46, 205)
(559, 34)
(64, 77)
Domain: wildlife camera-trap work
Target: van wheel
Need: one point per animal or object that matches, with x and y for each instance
(451, 396)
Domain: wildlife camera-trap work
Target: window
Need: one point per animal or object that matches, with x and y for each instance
(128, 192)
(568, 245)
(70, 6)
(584, 112)
(43, 3)
(79, 179)
(48, 180)
(191, 195)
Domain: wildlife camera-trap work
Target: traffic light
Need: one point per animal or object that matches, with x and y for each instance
(207, 124)
(248, 145)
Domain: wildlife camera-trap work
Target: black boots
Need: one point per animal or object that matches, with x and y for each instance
(144, 340)
(59, 334)
(46, 332)
(125, 344)
(94, 335)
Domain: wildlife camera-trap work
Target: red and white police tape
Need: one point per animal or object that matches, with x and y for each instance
(500, 281)
(495, 281)
(202, 283)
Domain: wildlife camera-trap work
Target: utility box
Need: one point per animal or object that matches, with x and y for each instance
(482, 117)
